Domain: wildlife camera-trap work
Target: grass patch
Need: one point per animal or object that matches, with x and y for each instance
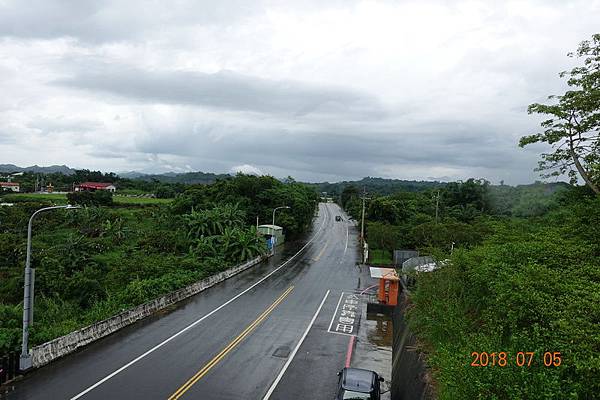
(140, 200)
(60, 198)
(57, 198)
(380, 257)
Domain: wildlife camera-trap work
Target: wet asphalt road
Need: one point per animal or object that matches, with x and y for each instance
(237, 350)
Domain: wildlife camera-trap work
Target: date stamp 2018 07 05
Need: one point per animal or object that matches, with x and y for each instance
(519, 359)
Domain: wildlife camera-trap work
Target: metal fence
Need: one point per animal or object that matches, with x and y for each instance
(414, 262)
(402, 255)
(9, 367)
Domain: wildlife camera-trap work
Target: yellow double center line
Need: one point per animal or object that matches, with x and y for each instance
(186, 386)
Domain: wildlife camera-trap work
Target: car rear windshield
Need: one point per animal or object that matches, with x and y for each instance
(348, 395)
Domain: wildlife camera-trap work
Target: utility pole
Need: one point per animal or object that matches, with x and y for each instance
(362, 225)
(362, 222)
(437, 206)
(25, 361)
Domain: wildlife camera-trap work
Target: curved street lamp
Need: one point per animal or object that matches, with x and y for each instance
(25, 360)
(277, 208)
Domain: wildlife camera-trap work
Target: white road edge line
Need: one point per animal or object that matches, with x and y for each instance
(335, 312)
(347, 234)
(135, 360)
(346, 246)
(291, 357)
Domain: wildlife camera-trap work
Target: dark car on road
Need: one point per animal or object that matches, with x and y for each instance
(356, 383)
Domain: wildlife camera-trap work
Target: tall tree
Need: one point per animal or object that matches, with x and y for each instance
(348, 193)
(573, 128)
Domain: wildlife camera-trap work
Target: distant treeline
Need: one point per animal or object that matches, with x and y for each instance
(381, 186)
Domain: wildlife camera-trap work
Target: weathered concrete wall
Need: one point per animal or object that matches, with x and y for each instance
(49, 351)
(409, 373)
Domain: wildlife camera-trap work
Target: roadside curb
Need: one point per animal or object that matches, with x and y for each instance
(349, 351)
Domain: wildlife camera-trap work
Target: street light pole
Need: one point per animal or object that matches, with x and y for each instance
(277, 208)
(25, 361)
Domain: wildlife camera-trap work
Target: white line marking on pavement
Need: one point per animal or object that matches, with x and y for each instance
(347, 234)
(291, 357)
(135, 360)
(345, 247)
(335, 312)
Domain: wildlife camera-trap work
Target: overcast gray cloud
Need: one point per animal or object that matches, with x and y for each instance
(320, 90)
(112, 20)
(228, 90)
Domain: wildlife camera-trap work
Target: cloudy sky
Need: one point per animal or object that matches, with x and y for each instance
(316, 89)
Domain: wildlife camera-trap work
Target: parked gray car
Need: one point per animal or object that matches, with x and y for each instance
(358, 384)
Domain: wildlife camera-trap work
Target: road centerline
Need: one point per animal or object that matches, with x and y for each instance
(216, 359)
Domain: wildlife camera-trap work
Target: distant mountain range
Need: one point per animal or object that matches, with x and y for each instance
(173, 177)
(63, 169)
(167, 177)
(382, 186)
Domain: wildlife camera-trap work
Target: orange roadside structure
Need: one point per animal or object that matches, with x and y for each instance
(389, 283)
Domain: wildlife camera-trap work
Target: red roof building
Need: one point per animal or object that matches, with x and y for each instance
(14, 186)
(93, 186)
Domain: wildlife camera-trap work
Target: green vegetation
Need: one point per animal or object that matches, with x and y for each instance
(380, 257)
(140, 200)
(187, 178)
(60, 198)
(54, 198)
(90, 199)
(407, 220)
(258, 196)
(380, 186)
(531, 286)
(94, 262)
(523, 275)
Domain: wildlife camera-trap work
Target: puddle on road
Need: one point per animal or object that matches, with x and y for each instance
(379, 330)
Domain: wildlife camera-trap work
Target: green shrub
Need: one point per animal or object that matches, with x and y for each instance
(533, 286)
(88, 198)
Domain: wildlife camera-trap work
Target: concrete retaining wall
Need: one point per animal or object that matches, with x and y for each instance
(410, 378)
(49, 351)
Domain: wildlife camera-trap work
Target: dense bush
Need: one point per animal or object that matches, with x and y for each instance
(523, 276)
(88, 198)
(255, 197)
(165, 192)
(533, 286)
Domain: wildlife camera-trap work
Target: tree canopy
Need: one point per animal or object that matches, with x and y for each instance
(573, 126)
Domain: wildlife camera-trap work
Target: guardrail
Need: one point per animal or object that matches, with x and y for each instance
(9, 367)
